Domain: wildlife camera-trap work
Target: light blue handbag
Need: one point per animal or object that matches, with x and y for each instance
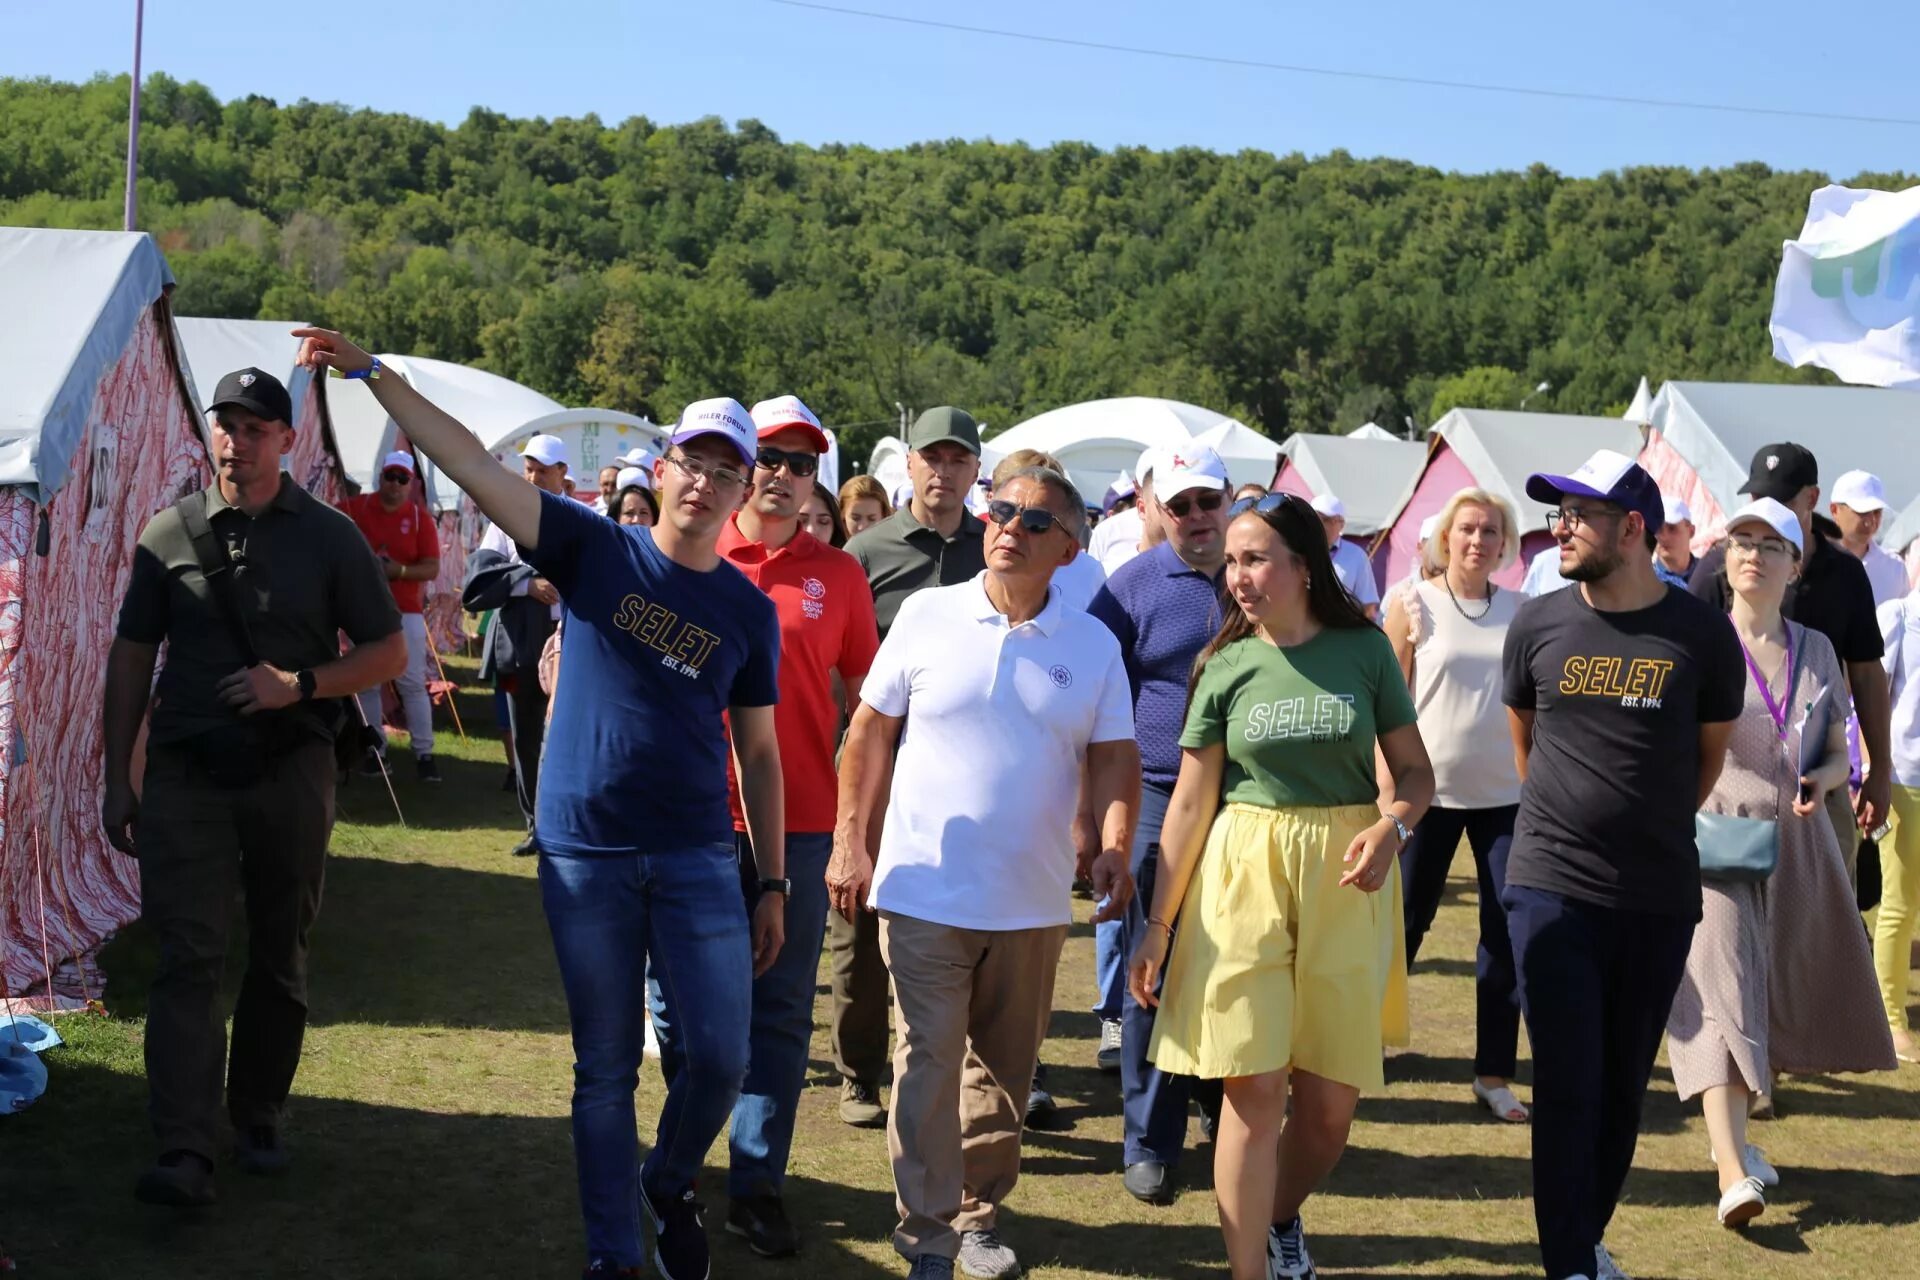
(1735, 848)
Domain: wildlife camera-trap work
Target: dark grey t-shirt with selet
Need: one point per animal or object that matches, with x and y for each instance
(1606, 813)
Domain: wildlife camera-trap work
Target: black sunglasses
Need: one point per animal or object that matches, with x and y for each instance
(800, 464)
(1267, 505)
(1032, 519)
(1207, 500)
(396, 476)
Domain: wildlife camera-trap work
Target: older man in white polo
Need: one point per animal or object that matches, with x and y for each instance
(1350, 563)
(1859, 505)
(1009, 693)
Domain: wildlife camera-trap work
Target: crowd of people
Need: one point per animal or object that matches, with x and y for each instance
(752, 723)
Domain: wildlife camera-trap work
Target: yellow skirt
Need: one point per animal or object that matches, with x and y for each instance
(1276, 964)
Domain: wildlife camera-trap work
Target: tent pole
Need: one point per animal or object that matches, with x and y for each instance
(133, 116)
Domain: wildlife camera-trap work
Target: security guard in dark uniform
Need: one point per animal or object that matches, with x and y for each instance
(249, 583)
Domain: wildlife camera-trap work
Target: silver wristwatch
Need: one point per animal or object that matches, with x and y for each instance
(1402, 829)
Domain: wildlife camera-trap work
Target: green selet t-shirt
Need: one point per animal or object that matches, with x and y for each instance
(1299, 723)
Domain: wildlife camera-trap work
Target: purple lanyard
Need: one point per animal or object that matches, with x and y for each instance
(1774, 709)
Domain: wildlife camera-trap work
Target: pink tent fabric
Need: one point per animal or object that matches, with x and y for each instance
(1289, 480)
(1445, 475)
(1677, 479)
(62, 576)
(313, 464)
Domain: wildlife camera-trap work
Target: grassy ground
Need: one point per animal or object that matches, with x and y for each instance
(429, 1121)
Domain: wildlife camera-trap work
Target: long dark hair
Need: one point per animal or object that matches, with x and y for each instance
(826, 498)
(1298, 526)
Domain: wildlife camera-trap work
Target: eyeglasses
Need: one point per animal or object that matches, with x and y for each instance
(1267, 505)
(1574, 517)
(695, 470)
(1207, 500)
(396, 476)
(800, 464)
(1748, 544)
(1032, 519)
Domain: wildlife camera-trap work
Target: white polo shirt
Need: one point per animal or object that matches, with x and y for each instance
(1116, 539)
(1355, 571)
(1886, 572)
(979, 828)
(1079, 581)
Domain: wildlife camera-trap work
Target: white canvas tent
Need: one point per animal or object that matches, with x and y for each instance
(1370, 475)
(215, 348)
(1705, 435)
(1097, 440)
(98, 431)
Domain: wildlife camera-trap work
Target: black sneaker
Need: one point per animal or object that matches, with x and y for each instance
(679, 1235)
(528, 848)
(371, 766)
(179, 1180)
(425, 769)
(1041, 1108)
(762, 1222)
(261, 1152)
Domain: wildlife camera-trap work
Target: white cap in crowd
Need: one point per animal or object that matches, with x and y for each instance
(398, 458)
(1122, 485)
(1427, 526)
(548, 451)
(638, 456)
(1330, 507)
(720, 416)
(783, 413)
(1860, 491)
(1193, 466)
(632, 476)
(1678, 512)
(902, 494)
(1776, 515)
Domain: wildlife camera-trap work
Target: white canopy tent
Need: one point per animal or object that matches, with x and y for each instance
(1098, 439)
(888, 463)
(1370, 475)
(594, 438)
(1372, 431)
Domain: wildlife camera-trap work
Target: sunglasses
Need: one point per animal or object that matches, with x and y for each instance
(1268, 505)
(1208, 500)
(800, 464)
(396, 476)
(1032, 519)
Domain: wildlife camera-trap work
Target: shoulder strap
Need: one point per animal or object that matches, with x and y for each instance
(217, 569)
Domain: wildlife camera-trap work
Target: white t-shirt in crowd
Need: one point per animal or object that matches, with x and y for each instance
(1457, 692)
(1355, 571)
(979, 830)
(1887, 572)
(1900, 630)
(1116, 539)
(1543, 573)
(1079, 581)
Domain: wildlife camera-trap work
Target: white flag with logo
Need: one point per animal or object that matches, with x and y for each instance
(1848, 297)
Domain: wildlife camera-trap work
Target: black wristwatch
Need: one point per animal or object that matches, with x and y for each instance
(305, 679)
(782, 887)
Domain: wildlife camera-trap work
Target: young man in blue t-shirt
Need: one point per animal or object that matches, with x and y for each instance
(637, 863)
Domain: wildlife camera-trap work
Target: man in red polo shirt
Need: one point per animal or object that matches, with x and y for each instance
(401, 533)
(826, 626)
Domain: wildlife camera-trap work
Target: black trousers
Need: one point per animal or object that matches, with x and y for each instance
(1596, 984)
(527, 724)
(198, 845)
(1424, 864)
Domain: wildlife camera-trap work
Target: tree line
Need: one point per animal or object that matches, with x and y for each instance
(638, 266)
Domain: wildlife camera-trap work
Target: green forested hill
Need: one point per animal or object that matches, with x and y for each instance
(639, 266)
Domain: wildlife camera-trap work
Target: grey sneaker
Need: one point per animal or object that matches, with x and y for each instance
(984, 1257)
(860, 1105)
(1108, 1059)
(931, 1266)
(1604, 1267)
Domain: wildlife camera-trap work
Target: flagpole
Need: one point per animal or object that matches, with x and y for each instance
(133, 114)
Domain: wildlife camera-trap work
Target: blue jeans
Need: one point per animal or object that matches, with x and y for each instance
(762, 1132)
(1109, 971)
(682, 909)
(1424, 864)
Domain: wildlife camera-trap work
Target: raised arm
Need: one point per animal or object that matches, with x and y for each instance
(507, 500)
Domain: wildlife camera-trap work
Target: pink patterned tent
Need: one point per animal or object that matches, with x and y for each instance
(215, 348)
(98, 432)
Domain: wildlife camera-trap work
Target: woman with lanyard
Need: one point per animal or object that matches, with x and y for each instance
(1779, 976)
(1286, 976)
(1448, 632)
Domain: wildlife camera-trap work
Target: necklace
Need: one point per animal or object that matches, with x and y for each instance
(1492, 590)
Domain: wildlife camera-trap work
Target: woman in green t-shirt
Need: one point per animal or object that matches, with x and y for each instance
(1288, 970)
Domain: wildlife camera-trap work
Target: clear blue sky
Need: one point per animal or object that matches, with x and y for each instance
(824, 77)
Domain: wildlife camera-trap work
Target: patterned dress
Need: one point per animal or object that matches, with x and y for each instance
(1779, 973)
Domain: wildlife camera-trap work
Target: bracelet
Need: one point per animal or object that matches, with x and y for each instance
(371, 373)
(1162, 923)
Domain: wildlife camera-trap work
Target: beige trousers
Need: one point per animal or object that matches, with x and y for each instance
(970, 1010)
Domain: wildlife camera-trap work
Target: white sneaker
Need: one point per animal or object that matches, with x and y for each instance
(1287, 1256)
(1756, 1165)
(1604, 1267)
(1108, 1058)
(1745, 1202)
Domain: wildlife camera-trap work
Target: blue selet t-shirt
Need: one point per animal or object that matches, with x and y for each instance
(1163, 614)
(653, 654)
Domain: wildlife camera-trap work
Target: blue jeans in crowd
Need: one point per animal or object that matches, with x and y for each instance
(1109, 971)
(680, 908)
(1424, 864)
(762, 1132)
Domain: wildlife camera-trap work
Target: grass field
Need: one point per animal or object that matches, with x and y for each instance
(430, 1134)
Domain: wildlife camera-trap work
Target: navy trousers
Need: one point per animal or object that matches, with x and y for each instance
(1424, 864)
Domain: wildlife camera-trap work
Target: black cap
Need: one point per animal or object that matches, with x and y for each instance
(1780, 471)
(256, 391)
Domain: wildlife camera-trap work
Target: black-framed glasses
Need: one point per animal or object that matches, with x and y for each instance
(1753, 545)
(1206, 500)
(396, 476)
(800, 463)
(1574, 517)
(1032, 519)
(1267, 505)
(695, 470)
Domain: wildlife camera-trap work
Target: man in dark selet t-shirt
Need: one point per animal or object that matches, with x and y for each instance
(1833, 596)
(1621, 692)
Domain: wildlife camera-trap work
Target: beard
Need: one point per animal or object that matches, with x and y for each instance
(1595, 568)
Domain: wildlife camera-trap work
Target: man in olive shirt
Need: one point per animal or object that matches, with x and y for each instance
(933, 541)
(238, 790)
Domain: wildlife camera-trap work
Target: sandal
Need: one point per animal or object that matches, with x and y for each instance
(1501, 1101)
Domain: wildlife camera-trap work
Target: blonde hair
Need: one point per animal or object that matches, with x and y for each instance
(864, 487)
(1439, 546)
(1022, 460)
